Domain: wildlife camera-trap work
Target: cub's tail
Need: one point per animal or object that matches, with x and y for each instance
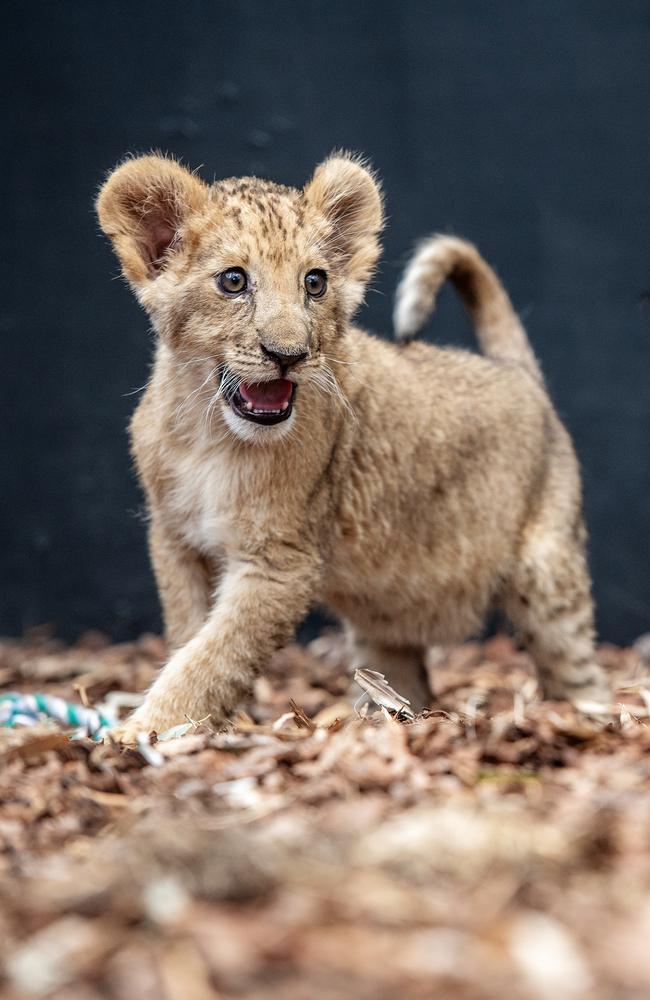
(498, 330)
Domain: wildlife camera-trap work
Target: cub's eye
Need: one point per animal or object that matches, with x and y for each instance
(233, 281)
(316, 284)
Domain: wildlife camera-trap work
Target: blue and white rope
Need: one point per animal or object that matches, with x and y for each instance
(30, 709)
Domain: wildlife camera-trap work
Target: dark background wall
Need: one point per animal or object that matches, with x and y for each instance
(523, 126)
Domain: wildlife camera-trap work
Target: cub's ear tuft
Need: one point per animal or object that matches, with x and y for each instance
(345, 191)
(142, 207)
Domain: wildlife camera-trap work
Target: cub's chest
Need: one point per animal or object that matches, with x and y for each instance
(205, 501)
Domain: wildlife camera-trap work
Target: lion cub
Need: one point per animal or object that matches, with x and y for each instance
(290, 458)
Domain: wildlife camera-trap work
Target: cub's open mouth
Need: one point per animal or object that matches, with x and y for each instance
(264, 402)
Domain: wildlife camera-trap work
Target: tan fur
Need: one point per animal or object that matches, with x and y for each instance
(411, 490)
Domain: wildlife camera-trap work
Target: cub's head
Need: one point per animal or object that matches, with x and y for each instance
(251, 282)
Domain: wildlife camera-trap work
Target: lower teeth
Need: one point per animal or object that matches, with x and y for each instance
(249, 408)
(265, 413)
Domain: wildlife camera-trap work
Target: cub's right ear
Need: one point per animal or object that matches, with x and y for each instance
(142, 207)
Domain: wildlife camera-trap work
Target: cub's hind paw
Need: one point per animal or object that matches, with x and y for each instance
(590, 686)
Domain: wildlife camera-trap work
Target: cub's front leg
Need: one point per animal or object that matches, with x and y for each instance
(260, 601)
(185, 584)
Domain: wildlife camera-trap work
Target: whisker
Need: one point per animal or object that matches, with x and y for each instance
(182, 408)
(134, 392)
(338, 391)
(195, 361)
(337, 361)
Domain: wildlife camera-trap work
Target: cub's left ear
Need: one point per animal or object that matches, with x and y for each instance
(346, 193)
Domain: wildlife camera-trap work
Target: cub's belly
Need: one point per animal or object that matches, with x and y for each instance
(409, 594)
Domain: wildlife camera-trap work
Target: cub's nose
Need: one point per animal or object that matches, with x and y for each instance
(285, 357)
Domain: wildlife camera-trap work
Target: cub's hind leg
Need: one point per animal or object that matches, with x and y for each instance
(550, 604)
(402, 666)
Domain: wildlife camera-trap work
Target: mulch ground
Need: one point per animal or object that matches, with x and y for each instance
(314, 851)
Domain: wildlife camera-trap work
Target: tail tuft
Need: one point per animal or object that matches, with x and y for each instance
(498, 329)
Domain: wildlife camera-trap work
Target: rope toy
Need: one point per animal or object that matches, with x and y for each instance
(30, 709)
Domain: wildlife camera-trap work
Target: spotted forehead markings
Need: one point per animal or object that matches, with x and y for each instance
(249, 188)
(269, 214)
(265, 196)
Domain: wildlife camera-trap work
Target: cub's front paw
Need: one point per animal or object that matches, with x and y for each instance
(144, 721)
(158, 717)
(127, 732)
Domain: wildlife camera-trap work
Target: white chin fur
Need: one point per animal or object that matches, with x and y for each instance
(246, 430)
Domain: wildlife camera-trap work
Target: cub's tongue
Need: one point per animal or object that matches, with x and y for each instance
(274, 395)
